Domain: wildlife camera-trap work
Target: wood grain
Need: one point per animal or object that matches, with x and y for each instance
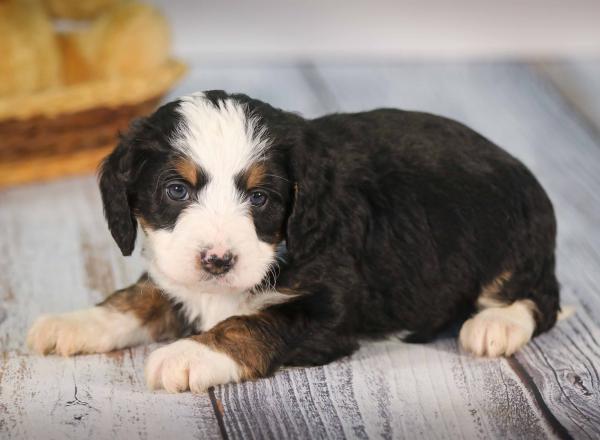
(57, 255)
(388, 389)
(520, 111)
(100, 396)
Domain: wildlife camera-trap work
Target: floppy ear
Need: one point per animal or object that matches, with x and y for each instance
(114, 176)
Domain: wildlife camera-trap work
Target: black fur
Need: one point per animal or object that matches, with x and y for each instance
(140, 153)
(392, 220)
(409, 215)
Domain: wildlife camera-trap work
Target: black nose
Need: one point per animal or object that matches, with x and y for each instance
(217, 264)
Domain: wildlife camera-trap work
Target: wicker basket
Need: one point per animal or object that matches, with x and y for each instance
(69, 131)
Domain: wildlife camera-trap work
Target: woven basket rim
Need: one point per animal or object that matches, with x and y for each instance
(86, 96)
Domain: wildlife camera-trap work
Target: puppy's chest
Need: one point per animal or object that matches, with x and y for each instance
(205, 310)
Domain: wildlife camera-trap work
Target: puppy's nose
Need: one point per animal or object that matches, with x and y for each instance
(216, 262)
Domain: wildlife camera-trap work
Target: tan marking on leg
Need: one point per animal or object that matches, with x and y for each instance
(151, 306)
(238, 348)
(237, 337)
(137, 314)
(499, 328)
(489, 293)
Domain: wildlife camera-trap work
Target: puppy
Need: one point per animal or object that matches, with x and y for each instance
(275, 240)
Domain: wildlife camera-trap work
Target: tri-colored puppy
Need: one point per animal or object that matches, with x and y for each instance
(276, 240)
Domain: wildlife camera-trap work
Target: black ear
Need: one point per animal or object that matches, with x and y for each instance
(114, 179)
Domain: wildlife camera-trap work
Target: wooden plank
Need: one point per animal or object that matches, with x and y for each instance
(100, 396)
(56, 255)
(388, 389)
(55, 247)
(564, 367)
(521, 112)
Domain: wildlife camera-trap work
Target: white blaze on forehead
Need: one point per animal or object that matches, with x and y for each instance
(222, 139)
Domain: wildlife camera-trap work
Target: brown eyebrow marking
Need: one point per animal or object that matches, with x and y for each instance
(255, 175)
(187, 169)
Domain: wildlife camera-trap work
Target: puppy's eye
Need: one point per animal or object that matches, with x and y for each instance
(258, 198)
(178, 192)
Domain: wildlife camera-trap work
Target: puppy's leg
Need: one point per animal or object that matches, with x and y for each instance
(137, 314)
(511, 312)
(499, 330)
(242, 348)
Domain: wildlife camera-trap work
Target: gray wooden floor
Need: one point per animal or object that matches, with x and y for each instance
(56, 255)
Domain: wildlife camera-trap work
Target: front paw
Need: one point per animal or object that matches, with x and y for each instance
(94, 330)
(187, 364)
(65, 334)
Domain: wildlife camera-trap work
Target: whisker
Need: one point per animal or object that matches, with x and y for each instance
(276, 176)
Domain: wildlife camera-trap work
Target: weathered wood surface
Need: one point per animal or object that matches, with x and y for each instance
(517, 109)
(56, 255)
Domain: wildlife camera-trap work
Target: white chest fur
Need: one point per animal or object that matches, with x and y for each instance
(208, 309)
(205, 310)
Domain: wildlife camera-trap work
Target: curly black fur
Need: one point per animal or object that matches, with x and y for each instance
(392, 220)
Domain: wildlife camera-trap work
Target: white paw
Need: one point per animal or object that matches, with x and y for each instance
(187, 364)
(94, 330)
(498, 331)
